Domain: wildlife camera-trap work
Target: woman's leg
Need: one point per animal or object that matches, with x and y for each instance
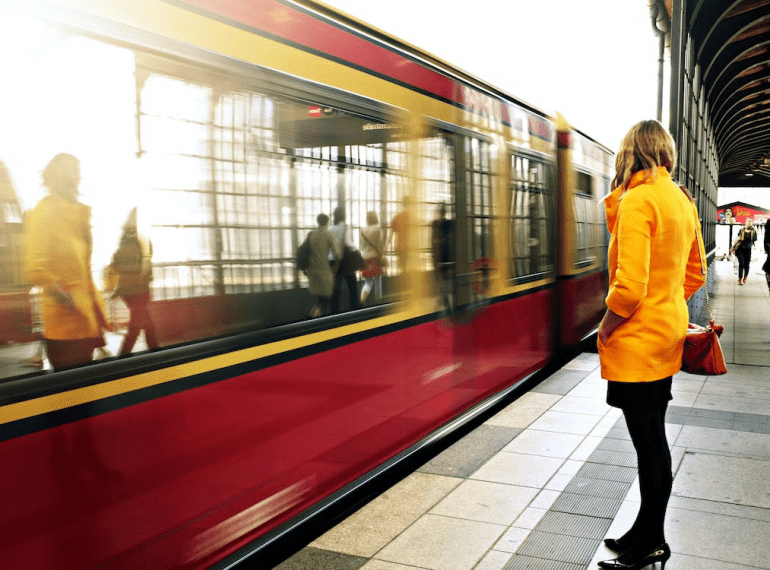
(744, 258)
(352, 282)
(366, 289)
(648, 434)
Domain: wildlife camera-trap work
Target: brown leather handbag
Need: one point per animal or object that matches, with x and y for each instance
(702, 351)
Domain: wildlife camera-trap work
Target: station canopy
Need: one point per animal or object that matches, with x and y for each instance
(731, 45)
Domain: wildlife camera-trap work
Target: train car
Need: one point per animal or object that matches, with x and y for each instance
(230, 126)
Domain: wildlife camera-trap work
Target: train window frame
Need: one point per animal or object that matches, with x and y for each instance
(586, 232)
(548, 204)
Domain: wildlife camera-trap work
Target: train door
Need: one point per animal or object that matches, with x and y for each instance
(581, 276)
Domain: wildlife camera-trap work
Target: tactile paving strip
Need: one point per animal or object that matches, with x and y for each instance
(597, 488)
(519, 562)
(559, 547)
(580, 526)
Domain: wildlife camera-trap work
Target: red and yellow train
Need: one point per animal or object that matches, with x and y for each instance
(230, 125)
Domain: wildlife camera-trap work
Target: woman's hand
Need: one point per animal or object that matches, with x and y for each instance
(61, 296)
(609, 323)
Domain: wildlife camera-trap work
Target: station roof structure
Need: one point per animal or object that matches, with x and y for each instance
(731, 46)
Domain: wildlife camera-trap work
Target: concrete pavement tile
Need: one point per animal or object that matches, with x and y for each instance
(383, 565)
(683, 562)
(560, 382)
(727, 441)
(483, 501)
(471, 452)
(545, 443)
(587, 361)
(512, 539)
(738, 511)
(518, 469)
(494, 560)
(733, 404)
(718, 537)
(524, 411)
(724, 479)
(565, 423)
(687, 384)
(369, 529)
(442, 543)
(529, 518)
(686, 399)
(578, 405)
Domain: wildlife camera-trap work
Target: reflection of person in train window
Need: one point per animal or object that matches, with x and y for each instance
(399, 228)
(372, 242)
(59, 261)
(340, 232)
(442, 242)
(133, 264)
(320, 272)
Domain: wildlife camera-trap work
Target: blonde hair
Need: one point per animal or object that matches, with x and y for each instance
(62, 173)
(644, 148)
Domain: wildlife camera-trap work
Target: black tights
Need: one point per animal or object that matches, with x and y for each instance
(744, 259)
(648, 434)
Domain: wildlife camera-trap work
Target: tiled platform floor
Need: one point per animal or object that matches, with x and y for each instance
(539, 485)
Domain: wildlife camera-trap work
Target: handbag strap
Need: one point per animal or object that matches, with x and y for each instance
(374, 247)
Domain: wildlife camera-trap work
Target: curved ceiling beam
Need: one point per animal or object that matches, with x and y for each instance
(737, 87)
(730, 59)
(748, 140)
(737, 112)
(759, 116)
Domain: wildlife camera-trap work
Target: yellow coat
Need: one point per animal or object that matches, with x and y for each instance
(58, 239)
(655, 265)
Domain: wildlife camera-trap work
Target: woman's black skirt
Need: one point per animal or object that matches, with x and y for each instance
(639, 395)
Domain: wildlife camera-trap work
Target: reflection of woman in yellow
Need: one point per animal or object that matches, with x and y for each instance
(59, 261)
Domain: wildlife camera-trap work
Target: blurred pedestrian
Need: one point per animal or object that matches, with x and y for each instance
(443, 249)
(321, 269)
(372, 246)
(766, 266)
(742, 248)
(59, 262)
(656, 262)
(132, 262)
(341, 233)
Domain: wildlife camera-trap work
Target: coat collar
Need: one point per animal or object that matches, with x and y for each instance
(612, 200)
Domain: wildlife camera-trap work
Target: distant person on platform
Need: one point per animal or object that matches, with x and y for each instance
(58, 260)
(766, 266)
(132, 262)
(742, 249)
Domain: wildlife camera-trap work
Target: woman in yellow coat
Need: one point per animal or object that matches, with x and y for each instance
(656, 262)
(59, 261)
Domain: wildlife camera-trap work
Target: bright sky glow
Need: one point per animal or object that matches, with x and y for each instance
(593, 61)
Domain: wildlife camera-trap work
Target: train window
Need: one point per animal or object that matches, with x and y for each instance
(586, 220)
(478, 173)
(227, 181)
(531, 208)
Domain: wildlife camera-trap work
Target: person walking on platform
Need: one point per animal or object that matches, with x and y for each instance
(656, 262)
(742, 249)
(766, 266)
(325, 257)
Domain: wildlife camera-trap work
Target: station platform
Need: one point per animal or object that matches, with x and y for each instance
(540, 484)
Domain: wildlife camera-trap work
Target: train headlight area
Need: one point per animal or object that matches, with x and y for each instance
(250, 254)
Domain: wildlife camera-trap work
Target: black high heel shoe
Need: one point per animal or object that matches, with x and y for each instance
(619, 545)
(660, 554)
